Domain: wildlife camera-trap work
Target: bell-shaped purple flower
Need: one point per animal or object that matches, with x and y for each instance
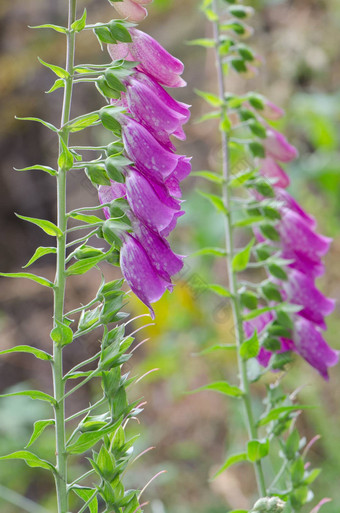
(140, 274)
(278, 147)
(149, 203)
(270, 169)
(300, 290)
(153, 112)
(108, 193)
(313, 348)
(153, 59)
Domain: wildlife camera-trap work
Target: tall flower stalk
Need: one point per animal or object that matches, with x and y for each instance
(139, 192)
(284, 313)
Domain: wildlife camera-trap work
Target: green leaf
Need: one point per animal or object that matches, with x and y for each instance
(80, 24)
(84, 122)
(255, 313)
(257, 150)
(113, 80)
(97, 174)
(33, 394)
(60, 72)
(85, 218)
(47, 169)
(47, 226)
(215, 200)
(235, 458)
(271, 292)
(269, 232)
(61, 334)
(277, 412)
(39, 427)
(242, 12)
(210, 251)
(208, 116)
(65, 160)
(241, 260)
(31, 459)
(205, 42)
(108, 117)
(38, 120)
(29, 276)
(208, 175)
(218, 347)
(40, 252)
(84, 265)
(251, 347)
(222, 387)
(104, 35)
(278, 272)
(247, 221)
(218, 289)
(57, 28)
(257, 450)
(57, 85)
(88, 318)
(38, 353)
(249, 299)
(87, 440)
(292, 444)
(119, 32)
(86, 494)
(241, 178)
(210, 98)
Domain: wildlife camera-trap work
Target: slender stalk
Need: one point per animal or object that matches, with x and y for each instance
(60, 280)
(236, 308)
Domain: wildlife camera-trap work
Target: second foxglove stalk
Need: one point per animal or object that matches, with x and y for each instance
(152, 182)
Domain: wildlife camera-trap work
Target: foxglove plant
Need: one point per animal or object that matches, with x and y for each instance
(138, 179)
(284, 313)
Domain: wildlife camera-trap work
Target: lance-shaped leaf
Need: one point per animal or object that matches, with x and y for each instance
(32, 394)
(220, 252)
(40, 252)
(38, 353)
(65, 160)
(31, 459)
(84, 265)
(38, 429)
(215, 200)
(38, 120)
(222, 387)
(57, 85)
(218, 289)
(211, 98)
(29, 276)
(89, 496)
(57, 28)
(210, 176)
(38, 167)
(205, 42)
(241, 260)
(84, 122)
(89, 439)
(79, 25)
(218, 347)
(235, 458)
(48, 227)
(277, 412)
(251, 347)
(60, 72)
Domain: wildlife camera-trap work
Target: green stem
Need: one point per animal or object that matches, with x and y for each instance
(60, 280)
(236, 307)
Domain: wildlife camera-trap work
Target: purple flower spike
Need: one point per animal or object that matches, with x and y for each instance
(147, 205)
(301, 290)
(313, 348)
(140, 274)
(278, 147)
(270, 169)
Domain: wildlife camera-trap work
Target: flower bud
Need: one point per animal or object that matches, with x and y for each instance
(132, 10)
(268, 505)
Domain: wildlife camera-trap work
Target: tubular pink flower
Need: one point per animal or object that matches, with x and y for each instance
(140, 274)
(108, 193)
(153, 59)
(271, 169)
(132, 10)
(278, 147)
(271, 111)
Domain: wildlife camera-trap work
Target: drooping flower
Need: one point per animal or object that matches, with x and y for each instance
(152, 183)
(132, 10)
(278, 147)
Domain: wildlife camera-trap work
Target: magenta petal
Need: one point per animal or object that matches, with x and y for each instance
(258, 324)
(146, 152)
(140, 274)
(120, 51)
(164, 261)
(292, 204)
(153, 113)
(313, 348)
(155, 60)
(108, 193)
(166, 231)
(312, 267)
(301, 291)
(278, 147)
(297, 235)
(271, 111)
(182, 169)
(270, 169)
(146, 204)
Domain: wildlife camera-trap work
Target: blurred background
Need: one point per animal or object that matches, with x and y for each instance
(192, 434)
